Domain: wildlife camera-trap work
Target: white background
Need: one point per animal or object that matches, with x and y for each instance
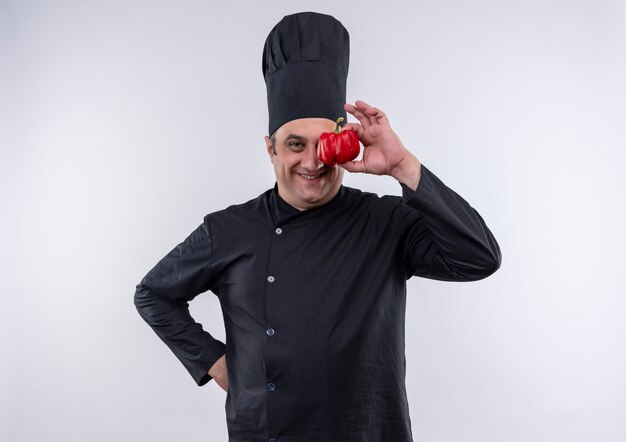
(124, 122)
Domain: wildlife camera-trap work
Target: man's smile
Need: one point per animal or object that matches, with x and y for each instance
(312, 176)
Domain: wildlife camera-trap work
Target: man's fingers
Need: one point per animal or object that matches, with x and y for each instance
(375, 115)
(354, 166)
(358, 114)
(367, 110)
(355, 127)
(379, 115)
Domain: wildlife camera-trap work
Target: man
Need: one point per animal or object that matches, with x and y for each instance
(311, 275)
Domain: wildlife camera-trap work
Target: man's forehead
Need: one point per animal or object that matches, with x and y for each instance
(305, 127)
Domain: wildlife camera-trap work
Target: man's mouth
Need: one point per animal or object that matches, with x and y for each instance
(312, 177)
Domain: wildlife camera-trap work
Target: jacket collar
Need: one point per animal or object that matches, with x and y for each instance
(283, 212)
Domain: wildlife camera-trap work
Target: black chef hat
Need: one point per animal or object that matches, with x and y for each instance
(305, 66)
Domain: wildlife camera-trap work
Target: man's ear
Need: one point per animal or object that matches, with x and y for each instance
(270, 150)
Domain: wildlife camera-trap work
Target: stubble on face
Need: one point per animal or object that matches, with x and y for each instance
(303, 180)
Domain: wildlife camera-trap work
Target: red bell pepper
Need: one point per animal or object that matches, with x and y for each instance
(338, 147)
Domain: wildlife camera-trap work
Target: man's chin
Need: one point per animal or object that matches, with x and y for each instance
(316, 199)
(309, 201)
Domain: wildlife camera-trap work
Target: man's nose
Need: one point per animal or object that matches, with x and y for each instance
(310, 161)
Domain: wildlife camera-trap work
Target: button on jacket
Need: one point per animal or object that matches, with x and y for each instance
(314, 305)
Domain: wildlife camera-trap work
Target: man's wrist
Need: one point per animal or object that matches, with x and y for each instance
(218, 368)
(408, 172)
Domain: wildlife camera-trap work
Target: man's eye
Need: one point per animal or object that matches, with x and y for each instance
(295, 144)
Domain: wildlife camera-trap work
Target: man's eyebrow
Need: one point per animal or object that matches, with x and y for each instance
(295, 137)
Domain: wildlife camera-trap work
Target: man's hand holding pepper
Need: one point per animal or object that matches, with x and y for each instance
(383, 152)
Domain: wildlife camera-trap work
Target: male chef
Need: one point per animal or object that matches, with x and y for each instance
(311, 275)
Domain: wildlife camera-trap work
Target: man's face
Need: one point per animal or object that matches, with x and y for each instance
(303, 180)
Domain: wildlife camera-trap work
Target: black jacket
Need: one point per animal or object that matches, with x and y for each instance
(314, 305)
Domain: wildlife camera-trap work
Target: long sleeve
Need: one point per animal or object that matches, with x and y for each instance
(162, 296)
(445, 238)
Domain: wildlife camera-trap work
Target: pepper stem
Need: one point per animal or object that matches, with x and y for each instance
(337, 127)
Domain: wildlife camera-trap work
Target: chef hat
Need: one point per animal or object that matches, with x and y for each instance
(305, 66)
